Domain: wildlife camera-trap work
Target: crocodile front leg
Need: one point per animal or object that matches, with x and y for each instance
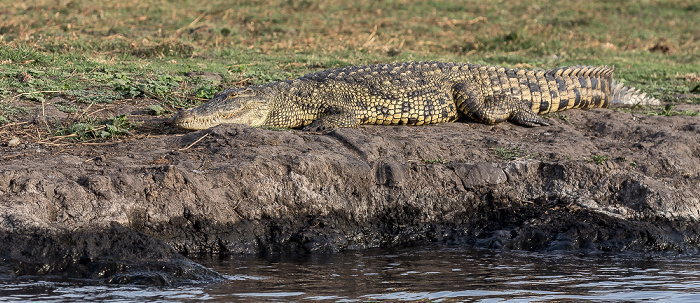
(334, 117)
(494, 108)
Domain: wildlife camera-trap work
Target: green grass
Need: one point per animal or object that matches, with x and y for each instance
(433, 161)
(114, 51)
(510, 153)
(7, 112)
(668, 110)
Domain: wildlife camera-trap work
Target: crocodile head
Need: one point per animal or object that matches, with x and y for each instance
(244, 106)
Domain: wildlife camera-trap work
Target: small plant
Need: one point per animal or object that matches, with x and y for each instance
(667, 111)
(12, 110)
(433, 161)
(206, 91)
(598, 159)
(130, 88)
(156, 110)
(4, 120)
(86, 130)
(689, 113)
(82, 130)
(120, 125)
(125, 85)
(66, 108)
(93, 96)
(163, 85)
(557, 115)
(39, 97)
(237, 68)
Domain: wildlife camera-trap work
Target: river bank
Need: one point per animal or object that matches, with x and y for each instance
(131, 211)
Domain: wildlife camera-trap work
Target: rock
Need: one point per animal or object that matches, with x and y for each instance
(481, 174)
(391, 174)
(110, 253)
(14, 141)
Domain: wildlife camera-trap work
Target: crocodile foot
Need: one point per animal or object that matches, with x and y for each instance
(526, 117)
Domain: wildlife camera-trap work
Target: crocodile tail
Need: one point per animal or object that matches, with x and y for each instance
(622, 95)
(569, 87)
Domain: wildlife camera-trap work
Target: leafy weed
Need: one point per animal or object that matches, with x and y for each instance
(598, 159)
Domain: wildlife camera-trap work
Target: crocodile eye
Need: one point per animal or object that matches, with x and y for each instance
(232, 95)
(246, 93)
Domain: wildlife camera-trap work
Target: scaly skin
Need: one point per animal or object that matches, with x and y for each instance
(411, 93)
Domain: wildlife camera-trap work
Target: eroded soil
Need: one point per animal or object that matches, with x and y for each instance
(594, 180)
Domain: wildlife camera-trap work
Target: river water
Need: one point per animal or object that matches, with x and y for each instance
(429, 274)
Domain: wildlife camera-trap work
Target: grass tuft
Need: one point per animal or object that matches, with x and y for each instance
(510, 153)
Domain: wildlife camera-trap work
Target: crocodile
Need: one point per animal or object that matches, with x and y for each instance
(414, 93)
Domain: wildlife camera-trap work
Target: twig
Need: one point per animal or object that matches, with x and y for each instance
(13, 124)
(56, 138)
(180, 30)
(187, 97)
(60, 151)
(88, 108)
(11, 156)
(97, 111)
(370, 39)
(41, 91)
(91, 159)
(243, 81)
(52, 144)
(195, 142)
(100, 143)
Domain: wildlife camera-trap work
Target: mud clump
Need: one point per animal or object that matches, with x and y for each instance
(127, 212)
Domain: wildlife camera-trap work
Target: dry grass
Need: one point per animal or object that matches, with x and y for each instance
(450, 28)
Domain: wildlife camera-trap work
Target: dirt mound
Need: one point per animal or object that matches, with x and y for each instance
(594, 180)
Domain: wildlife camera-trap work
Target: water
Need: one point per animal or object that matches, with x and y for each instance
(433, 274)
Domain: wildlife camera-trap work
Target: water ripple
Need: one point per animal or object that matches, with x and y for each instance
(433, 274)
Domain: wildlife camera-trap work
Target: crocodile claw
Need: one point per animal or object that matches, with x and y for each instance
(528, 118)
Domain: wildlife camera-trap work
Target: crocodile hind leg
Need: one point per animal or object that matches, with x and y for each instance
(494, 108)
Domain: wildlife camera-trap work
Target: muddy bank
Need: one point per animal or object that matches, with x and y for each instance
(128, 211)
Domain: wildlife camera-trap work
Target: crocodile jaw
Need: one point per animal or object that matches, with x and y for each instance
(251, 110)
(193, 119)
